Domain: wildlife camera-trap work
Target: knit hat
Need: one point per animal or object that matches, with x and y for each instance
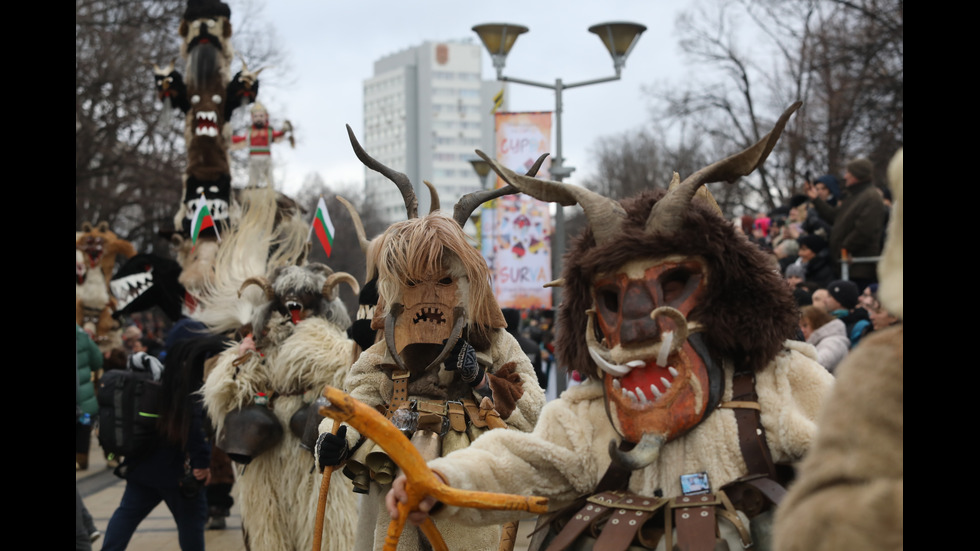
(861, 169)
(795, 270)
(830, 181)
(844, 292)
(813, 242)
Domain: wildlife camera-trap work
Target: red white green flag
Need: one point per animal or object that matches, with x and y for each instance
(202, 221)
(323, 227)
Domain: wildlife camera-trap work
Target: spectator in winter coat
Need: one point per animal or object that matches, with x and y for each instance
(827, 334)
(858, 221)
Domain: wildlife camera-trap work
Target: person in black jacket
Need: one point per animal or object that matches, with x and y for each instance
(177, 468)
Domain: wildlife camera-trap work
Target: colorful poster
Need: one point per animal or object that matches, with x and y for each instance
(517, 229)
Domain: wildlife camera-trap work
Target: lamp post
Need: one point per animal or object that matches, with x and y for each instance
(619, 38)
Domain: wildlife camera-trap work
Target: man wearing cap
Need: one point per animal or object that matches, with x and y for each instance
(858, 221)
(842, 302)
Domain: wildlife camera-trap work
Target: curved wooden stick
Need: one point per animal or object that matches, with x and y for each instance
(421, 480)
(321, 504)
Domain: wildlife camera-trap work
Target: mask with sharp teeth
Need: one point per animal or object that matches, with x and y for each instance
(656, 379)
(430, 313)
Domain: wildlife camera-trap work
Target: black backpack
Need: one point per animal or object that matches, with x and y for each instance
(129, 405)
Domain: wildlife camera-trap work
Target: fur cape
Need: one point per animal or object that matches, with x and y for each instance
(744, 297)
(278, 490)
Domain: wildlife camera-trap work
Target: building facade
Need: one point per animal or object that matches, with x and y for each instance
(426, 110)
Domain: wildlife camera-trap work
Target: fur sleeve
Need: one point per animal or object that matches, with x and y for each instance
(556, 461)
(507, 350)
(790, 395)
(229, 387)
(366, 382)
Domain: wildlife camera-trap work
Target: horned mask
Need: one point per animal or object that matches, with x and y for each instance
(654, 294)
(433, 285)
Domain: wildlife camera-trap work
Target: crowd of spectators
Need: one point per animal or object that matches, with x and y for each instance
(826, 242)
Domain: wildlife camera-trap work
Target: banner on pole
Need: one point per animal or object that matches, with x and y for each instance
(517, 230)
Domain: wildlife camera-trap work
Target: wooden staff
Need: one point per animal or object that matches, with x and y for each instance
(321, 504)
(421, 480)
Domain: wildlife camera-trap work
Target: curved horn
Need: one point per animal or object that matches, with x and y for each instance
(330, 290)
(468, 203)
(261, 282)
(645, 453)
(666, 214)
(400, 180)
(358, 225)
(605, 215)
(433, 197)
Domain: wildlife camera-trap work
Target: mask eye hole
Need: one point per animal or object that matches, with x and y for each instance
(609, 298)
(678, 284)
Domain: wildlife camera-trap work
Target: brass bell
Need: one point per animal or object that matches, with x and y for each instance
(427, 443)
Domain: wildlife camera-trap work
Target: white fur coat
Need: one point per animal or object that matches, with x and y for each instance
(278, 490)
(567, 453)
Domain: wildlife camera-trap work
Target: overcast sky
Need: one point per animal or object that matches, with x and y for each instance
(332, 45)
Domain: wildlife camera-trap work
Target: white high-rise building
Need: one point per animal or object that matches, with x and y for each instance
(426, 110)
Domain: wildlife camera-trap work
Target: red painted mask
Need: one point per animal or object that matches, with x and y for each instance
(654, 380)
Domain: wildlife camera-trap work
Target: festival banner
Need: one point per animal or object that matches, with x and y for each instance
(517, 230)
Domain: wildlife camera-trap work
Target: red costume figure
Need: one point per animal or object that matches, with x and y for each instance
(259, 141)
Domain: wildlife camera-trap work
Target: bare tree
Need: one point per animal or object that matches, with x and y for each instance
(843, 58)
(129, 150)
(127, 166)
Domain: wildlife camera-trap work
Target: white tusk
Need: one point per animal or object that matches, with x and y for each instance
(666, 340)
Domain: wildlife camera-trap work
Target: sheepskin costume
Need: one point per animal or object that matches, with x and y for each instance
(410, 250)
(850, 491)
(369, 384)
(278, 490)
(665, 306)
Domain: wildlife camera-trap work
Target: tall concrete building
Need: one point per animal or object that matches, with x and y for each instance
(426, 110)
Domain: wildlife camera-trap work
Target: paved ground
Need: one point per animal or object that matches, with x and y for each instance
(102, 491)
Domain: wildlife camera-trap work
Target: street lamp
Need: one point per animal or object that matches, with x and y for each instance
(618, 37)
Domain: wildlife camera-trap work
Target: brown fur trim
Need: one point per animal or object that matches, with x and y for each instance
(507, 388)
(747, 310)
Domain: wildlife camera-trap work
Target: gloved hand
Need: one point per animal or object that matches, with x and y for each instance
(331, 449)
(463, 358)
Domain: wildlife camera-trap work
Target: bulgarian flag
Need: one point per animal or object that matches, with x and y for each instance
(323, 227)
(202, 221)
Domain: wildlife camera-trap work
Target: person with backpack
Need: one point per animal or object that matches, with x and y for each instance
(175, 466)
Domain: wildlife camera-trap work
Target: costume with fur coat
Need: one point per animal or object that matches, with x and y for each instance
(567, 453)
(681, 326)
(368, 383)
(277, 490)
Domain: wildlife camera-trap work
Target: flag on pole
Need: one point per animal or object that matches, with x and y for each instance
(498, 101)
(202, 221)
(323, 227)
